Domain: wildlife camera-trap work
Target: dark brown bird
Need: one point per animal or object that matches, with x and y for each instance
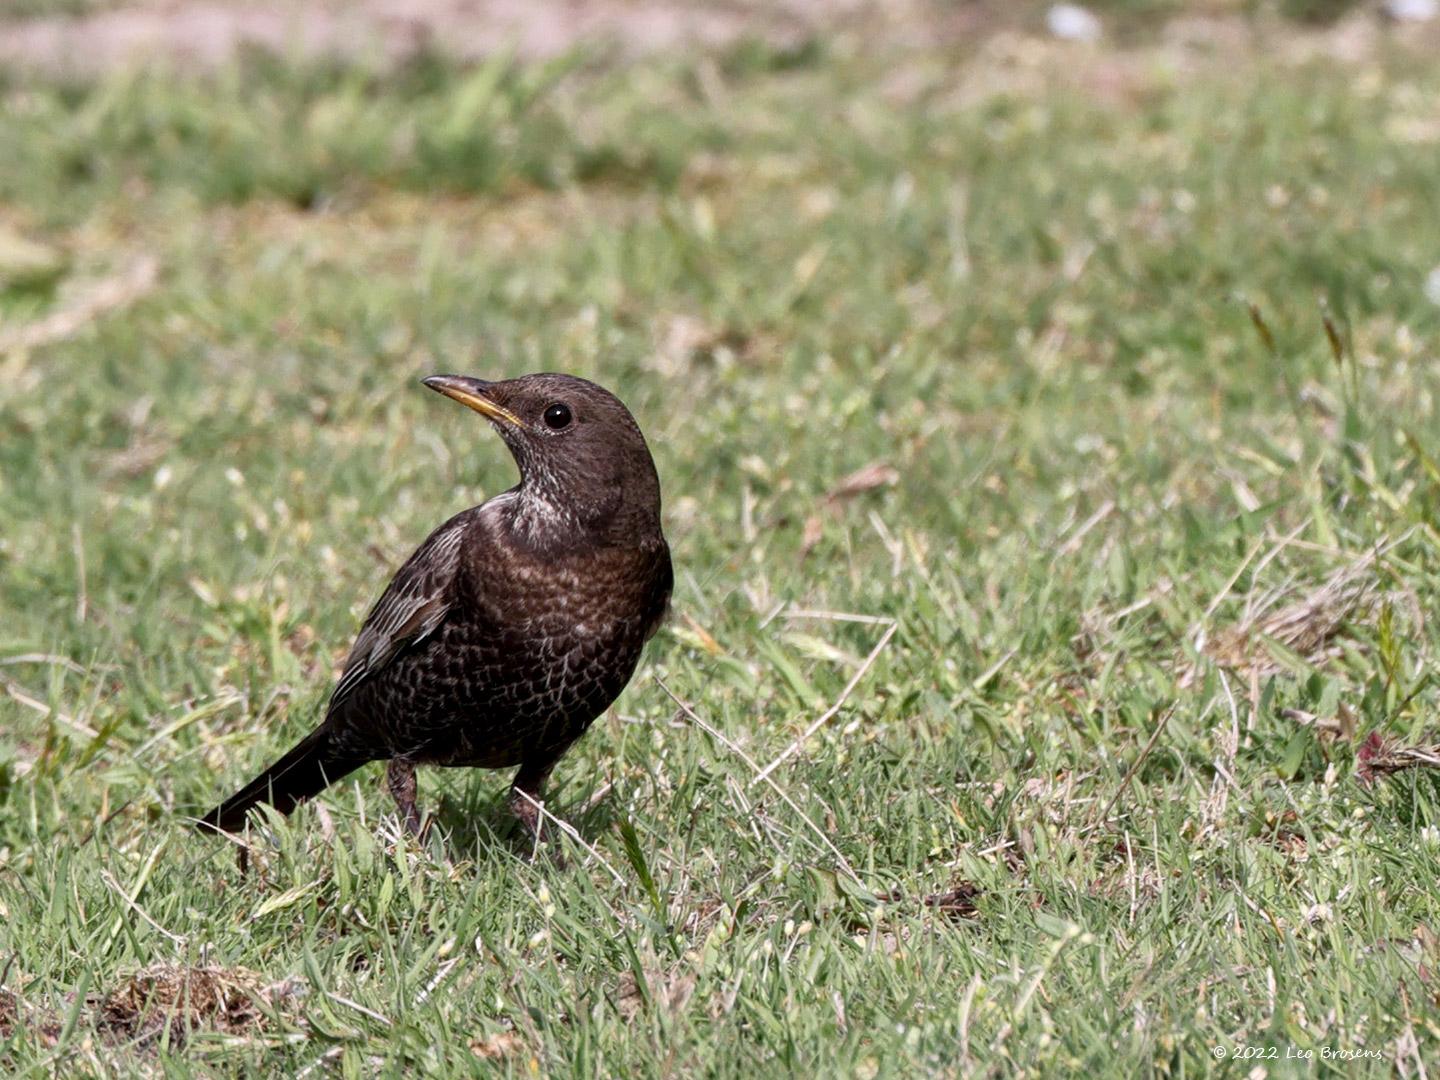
(514, 625)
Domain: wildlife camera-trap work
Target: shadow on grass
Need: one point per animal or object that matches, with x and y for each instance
(474, 820)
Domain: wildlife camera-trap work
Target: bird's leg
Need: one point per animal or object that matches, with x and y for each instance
(525, 795)
(400, 779)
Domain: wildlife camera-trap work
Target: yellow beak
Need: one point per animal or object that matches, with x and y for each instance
(471, 393)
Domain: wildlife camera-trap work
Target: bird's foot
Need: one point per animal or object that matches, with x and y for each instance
(529, 813)
(525, 807)
(400, 779)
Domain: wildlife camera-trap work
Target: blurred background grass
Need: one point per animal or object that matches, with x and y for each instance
(1106, 370)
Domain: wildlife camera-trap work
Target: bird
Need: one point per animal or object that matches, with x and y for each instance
(513, 626)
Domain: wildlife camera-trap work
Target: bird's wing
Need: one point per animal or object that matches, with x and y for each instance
(411, 608)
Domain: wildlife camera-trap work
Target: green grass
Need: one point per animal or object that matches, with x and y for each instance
(1026, 292)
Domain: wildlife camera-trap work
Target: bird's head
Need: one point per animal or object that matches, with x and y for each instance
(583, 462)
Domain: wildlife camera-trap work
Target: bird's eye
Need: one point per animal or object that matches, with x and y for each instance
(557, 416)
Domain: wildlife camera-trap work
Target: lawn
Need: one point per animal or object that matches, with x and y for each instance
(1058, 425)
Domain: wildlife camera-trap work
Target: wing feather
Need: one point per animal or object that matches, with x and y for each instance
(412, 607)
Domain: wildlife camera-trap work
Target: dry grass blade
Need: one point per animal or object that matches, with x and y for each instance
(1307, 625)
(43, 658)
(824, 718)
(1073, 542)
(574, 834)
(119, 891)
(17, 692)
(1135, 768)
(1257, 319)
(107, 295)
(825, 840)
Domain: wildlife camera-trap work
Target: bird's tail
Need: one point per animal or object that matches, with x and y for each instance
(306, 770)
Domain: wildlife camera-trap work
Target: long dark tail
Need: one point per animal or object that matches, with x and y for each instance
(313, 765)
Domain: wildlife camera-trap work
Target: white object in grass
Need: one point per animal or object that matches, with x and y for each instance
(1412, 10)
(1071, 22)
(1432, 286)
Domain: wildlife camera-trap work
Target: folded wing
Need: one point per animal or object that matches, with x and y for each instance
(414, 605)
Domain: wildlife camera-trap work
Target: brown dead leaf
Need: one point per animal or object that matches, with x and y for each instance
(1294, 845)
(629, 997)
(814, 529)
(956, 904)
(496, 1047)
(670, 992)
(683, 341)
(143, 454)
(1339, 726)
(1378, 756)
(877, 474)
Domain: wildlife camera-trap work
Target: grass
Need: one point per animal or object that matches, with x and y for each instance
(1160, 553)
